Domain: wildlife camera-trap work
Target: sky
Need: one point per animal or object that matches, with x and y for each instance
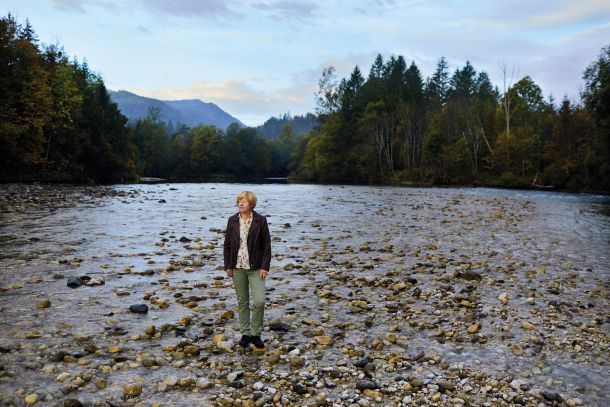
(261, 58)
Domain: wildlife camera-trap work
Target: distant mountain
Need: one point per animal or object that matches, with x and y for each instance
(273, 127)
(190, 112)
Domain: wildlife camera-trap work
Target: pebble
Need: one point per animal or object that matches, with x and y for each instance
(139, 308)
(43, 304)
(366, 384)
(203, 383)
(359, 303)
(280, 326)
(132, 390)
(474, 328)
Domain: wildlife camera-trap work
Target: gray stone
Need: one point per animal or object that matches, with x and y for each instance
(366, 384)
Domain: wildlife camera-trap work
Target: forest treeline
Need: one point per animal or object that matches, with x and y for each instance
(457, 127)
(58, 123)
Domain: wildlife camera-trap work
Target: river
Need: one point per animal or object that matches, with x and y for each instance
(382, 271)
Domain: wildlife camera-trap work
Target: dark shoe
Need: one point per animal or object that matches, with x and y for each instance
(256, 341)
(244, 341)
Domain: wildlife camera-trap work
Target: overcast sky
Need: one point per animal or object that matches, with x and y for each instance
(258, 58)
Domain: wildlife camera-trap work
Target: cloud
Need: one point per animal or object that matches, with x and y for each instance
(559, 70)
(253, 100)
(288, 9)
(572, 12)
(240, 98)
(192, 8)
(70, 5)
(182, 8)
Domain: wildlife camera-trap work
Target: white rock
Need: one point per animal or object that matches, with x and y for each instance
(171, 380)
(516, 384)
(203, 383)
(62, 376)
(225, 345)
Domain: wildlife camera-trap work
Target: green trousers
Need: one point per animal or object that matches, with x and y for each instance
(246, 281)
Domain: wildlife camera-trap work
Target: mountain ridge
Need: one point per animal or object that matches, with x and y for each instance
(189, 112)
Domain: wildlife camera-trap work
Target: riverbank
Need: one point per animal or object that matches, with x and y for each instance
(416, 183)
(377, 296)
(38, 196)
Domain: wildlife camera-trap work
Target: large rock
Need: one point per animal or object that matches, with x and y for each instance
(552, 396)
(323, 341)
(362, 362)
(366, 384)
(432, 354)
(132, 390)
(277, 325)
(139, 308)
(74, 282)
(31, 399)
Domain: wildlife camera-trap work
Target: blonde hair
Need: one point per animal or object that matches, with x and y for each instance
(250, 197)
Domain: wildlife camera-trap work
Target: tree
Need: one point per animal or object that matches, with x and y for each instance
(437, 87)
(108, 153)
(348, 93)
(463, 82)
(204, 150)
(456, 128)
(64, 138)
(327, 97)
(507, 96)
(597, 100)
(181, 153)
(25, 100)
(153, 146)
(597, 88)
(27, 33)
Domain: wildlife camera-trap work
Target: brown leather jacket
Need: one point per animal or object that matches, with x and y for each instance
(259, 242)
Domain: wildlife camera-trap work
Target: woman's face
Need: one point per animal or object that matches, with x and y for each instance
(243, 205)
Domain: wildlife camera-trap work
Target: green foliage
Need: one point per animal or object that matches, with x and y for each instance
(56, 120)
(455, 162)
(397, 126)
(204, 149)
(153, 146)
(575, 151)
(597, 88)
(274, 126)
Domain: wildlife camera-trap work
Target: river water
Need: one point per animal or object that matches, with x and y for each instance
(549, 252)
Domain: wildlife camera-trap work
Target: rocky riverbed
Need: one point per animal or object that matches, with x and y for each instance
(377, 296)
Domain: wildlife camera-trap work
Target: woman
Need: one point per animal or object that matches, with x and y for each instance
(247, 257)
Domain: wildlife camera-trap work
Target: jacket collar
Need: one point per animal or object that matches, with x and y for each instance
(255, 217)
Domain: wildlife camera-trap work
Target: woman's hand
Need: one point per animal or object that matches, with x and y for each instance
(262, 274)
(230, 273)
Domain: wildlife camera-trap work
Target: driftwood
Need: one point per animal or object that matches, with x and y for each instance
(534, 185)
